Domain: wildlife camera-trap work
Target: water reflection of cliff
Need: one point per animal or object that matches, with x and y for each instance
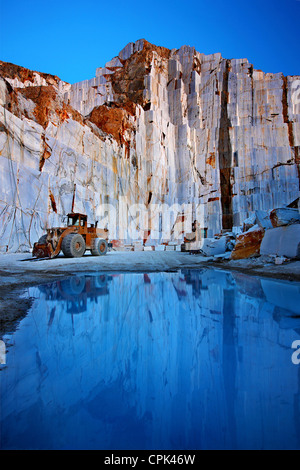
(188, 360)
(283, 295)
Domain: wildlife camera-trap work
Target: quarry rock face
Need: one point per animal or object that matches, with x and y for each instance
(156, 127)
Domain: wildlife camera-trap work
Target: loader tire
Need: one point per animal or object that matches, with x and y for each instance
(100, 247)
(73, 286)
(73, 246)
(101, 281)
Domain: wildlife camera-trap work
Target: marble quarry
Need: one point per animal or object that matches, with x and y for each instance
(211, 138)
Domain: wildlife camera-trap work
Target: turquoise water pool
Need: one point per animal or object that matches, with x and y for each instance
(195, 359)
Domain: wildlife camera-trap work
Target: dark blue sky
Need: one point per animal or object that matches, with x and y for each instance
(71, 38)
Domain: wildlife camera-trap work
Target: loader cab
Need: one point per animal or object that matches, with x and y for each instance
(77, 220)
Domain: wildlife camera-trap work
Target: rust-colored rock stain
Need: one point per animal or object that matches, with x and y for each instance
(128, 81)
(248, 245)
(211, 159)
(53, 203)
(115, 121)
(49, 105)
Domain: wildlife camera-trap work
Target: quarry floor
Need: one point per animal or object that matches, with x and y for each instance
(17, 274)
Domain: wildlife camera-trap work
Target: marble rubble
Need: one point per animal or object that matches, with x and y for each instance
(276, 234)
(153, 127)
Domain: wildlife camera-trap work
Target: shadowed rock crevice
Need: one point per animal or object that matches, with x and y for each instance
(286, 120)
(225, 155)
(252, 94)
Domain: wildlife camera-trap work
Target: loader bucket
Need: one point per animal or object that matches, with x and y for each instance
(41, 250)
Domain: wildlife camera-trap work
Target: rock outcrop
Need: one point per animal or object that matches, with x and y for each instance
(154, 126)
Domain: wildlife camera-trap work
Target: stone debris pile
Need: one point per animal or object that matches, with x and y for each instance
(274, 235)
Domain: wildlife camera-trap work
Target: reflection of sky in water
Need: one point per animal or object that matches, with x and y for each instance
(188, 360)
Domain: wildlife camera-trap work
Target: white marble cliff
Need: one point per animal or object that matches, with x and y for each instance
(153, 126)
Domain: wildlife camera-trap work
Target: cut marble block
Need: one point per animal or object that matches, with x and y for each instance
(212, 246)
(284, 216)
(282, 241)
(193, 246)
(138, 248)
(263, 219)
(160, 248)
